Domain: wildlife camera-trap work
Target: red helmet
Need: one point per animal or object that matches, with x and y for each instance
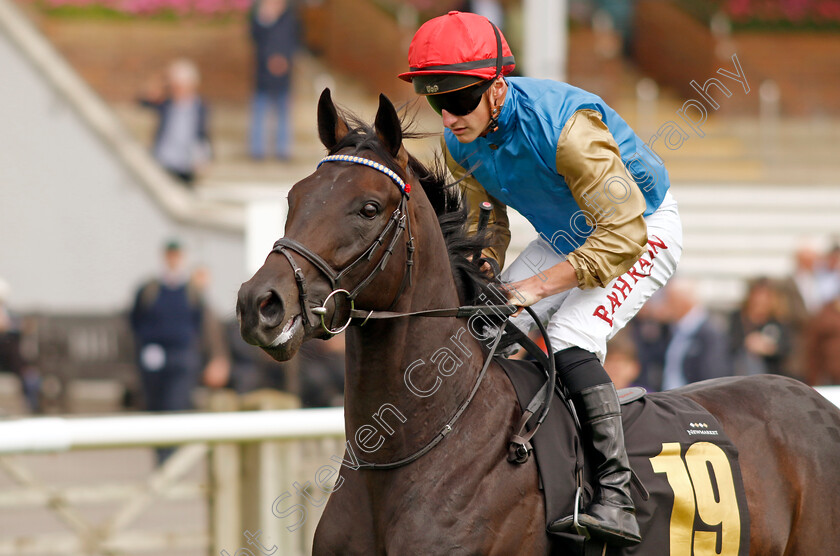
(454, 51)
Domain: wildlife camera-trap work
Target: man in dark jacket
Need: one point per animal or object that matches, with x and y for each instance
(274, 29)
(698, 348)
(167, 323)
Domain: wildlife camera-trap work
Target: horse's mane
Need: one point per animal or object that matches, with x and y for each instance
(444, 196)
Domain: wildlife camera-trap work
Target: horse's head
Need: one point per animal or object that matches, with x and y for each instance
(346, 222)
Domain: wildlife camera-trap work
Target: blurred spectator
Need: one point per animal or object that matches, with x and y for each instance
(650, 332)
(182, 142)
(759, 332)
(491, 9)
(802, 290)
(621, 362)
(828, 278)
(253, 369)
(621, 14)
(250, 368)
(322, 373)
(167, 323)
(274, 30)
(698, 348)
(213, 341)
(804, 293)
(11, 359)
(11, 356)
(822, 346)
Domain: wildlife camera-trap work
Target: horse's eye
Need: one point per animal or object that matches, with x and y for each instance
(370, 210)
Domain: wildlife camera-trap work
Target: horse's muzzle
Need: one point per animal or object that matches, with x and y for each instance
(261, 314)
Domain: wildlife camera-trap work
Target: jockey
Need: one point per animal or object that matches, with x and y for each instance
(609, 234)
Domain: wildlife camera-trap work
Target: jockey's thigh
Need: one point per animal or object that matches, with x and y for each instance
(590, 318)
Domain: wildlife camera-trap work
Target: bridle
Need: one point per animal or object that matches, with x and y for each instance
(519, 446)
(399, 222)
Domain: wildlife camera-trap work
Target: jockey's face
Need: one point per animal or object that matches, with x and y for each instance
(470, 127)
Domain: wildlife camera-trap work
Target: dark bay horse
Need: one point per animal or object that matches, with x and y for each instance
(407, 377)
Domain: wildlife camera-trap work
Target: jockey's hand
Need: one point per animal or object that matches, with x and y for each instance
(485, 269)
(553, 280)
(524, 293)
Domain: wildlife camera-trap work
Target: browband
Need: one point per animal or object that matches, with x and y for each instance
(404, 187)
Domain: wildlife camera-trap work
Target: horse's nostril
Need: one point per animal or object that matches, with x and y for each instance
(271, 309)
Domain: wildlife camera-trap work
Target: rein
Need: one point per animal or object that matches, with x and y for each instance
(447, 428)
(519, 445)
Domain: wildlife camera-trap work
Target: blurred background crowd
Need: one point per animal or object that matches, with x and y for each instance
(172, 347)
(785, 326)
(219, 96)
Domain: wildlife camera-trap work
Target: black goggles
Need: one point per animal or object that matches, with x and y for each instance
(460, 102)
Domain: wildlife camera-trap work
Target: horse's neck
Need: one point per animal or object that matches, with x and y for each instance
(380, 354)
(379, 394)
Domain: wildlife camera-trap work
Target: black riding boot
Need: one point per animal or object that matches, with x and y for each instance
(611, 517)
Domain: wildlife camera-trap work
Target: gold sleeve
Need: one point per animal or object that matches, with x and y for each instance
(589, 160)
(474, 194)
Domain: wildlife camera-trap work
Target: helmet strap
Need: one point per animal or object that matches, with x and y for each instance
(495, 112)
(493, 126)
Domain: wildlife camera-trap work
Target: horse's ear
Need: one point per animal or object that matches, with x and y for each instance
(331, 128)
(389, 130)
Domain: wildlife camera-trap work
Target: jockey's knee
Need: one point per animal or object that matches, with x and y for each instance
(578, 369)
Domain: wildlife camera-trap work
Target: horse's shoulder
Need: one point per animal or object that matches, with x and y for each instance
(347, 520)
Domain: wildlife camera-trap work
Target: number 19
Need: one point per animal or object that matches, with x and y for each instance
(696, 490)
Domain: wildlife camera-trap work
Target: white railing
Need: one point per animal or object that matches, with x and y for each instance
(248, 459)
(58, 434)
(831, 393)
(251, 458)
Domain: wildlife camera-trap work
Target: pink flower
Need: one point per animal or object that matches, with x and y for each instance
(828, 10)
(739, 9)
(795, 10)
(152, 7)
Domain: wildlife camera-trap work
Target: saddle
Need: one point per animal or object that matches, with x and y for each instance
(689, 493)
